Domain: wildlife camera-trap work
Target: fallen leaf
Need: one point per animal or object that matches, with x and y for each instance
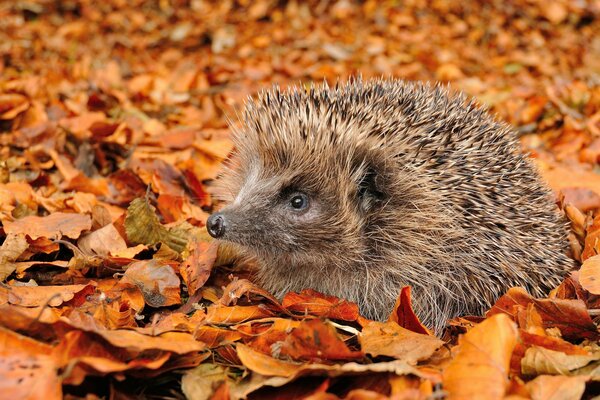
(53, 296)
(102, 242)
(314, 303)
(53, 226)
(196, 268)
(540, 361)
(11, 105)
(546, 387)
(27, 370)
(570, 316)
(158, 282)
(316, 340)
(480, 367)
(143, 227)
(390, 339)
(218, 314)
(175, 342)
(214, 336)
(404, 315)
(264, 364)
(11, 249)
(81, 354)
(589, 275)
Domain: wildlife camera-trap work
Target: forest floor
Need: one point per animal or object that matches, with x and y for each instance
(113, 122)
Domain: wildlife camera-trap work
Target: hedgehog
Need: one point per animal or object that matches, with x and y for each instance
(361, 189)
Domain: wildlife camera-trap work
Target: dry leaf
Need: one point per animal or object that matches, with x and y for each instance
(20, 356)
(480, 367)
(589, 275)
(53, 226)
(158, 282)
(404, 315)
(314, 303)
(34, 296)
(390, 339)
(545, 387)
(11, 249)
(196, 268)
(143, 227)
(540, 361)
(102, 242)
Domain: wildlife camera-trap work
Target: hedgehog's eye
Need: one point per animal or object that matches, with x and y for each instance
(299, 201)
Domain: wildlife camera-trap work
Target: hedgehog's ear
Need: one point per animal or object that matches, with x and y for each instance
(370, 189)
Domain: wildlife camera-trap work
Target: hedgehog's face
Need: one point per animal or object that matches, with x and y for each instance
(294, 213)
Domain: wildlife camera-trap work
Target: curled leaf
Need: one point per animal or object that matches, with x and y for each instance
(480, 368)
(143, 227)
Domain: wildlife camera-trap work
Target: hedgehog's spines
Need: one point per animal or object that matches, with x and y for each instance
(465, 215)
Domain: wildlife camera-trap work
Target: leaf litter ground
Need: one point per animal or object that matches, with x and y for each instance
(113, 122)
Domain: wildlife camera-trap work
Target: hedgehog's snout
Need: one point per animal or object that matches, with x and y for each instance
(216, 225)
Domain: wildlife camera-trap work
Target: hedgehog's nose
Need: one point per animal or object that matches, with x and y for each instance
(216, 225)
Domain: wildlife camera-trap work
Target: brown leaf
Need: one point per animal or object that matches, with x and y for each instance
(545, 387)
(219, 314)
(196, 268)
(551, 343)
(316, 340)
(314, 303)
(264, 364)
(539, 361)
(143, 227)
(11, 105)
(243, 287)
(102, 242)
(263, 335)
(175, 342)
(53, 226)
(205, 382)
(589, 275)
(11, 249)
(54, 296)
(27, 371)
(404, 315)
(480, 368)
(570, 316)
(214, 336)
(158, 282)
(390, 339)
(83, 354)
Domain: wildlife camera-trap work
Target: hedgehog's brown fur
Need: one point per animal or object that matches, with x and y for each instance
(407, 185)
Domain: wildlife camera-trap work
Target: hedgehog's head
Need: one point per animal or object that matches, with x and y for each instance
(306, 185)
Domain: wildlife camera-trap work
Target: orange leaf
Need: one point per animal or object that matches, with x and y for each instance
(243, 287)
(53, 226)
(264, 364)
(54, 296)
(196, 268)
(11, 105)
(390, 339)
(158, 282)
(218, 314)
(27, 371)
(480, 368)
(404, 315)
(589, 275)
(214, 337)
(314, 303)
(82, 352)
(175, 342)
(316, 340)
(548, 387)
(264, 334)
(102, 242)
(570, 316)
